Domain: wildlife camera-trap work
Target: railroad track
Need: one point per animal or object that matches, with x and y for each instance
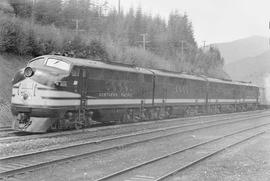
(5, 128)
(14, 137)
(6, 132)
(13, 165)
(140, 126)
(141, 171)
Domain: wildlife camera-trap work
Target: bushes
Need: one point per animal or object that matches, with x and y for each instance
(10, 35)
(21, 38)
(80, 48)
(136, 56)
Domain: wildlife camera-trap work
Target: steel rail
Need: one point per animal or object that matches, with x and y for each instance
(5, 128)
(70, 157)
(169, 174)
(73, 132)
(121, 172)
(98, 141)
(9, 138)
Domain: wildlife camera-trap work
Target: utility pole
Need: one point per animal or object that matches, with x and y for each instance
(143, 35)
(119, 6)
(77, 30)
(77, 20)
(103, 6)
(77, 26)
(144, 40)
(33, 12)
(204, 44)
(269, 29)
(182, 50)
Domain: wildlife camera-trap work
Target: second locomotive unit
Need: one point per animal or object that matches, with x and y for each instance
(58, 93)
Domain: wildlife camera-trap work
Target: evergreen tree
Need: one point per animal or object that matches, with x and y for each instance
(48, 12)
(130, 27)
(22, 8)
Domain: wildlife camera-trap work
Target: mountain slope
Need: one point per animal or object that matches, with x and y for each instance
(253, 69)
(9, 64)
(243, 48)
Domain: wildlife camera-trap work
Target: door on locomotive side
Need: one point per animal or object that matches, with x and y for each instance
(73, 83)
(78, 82)
(82, 82)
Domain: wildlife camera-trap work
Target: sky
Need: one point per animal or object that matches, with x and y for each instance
(213, 20)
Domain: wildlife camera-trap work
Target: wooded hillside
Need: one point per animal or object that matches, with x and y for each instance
(92, 30)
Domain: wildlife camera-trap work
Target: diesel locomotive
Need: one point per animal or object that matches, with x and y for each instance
(57, 93)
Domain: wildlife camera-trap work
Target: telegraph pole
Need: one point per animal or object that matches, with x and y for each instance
(269, 29)
(77, 30)
(103, 6)
(77, 20)
(77, 26)
(182, 50)
(144, 40)
(119, 6)
(204, 44)
(33, 12)
(143, 35)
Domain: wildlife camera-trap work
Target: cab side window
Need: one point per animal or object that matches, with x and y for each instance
(75, 72)
(39, 62)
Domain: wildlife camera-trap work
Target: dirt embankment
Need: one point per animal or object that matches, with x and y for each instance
(9, 64)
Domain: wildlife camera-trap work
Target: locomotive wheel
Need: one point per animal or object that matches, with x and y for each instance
(78, 125)
(152, 114)
(125, 118)
(128, 116)
(146, 114)
(162, 113)
(168, 112)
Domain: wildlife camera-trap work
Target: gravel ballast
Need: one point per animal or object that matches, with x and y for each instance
(249, 161)
(222, 168)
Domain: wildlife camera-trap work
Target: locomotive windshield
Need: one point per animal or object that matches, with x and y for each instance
(51, 62)
(36, 62)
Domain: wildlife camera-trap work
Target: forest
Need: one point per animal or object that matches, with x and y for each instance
(99, 31)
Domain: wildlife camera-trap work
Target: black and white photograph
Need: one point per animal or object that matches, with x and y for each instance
(134, 90)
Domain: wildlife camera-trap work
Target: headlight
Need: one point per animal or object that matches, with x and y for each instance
(61, 83)
(28, 72)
